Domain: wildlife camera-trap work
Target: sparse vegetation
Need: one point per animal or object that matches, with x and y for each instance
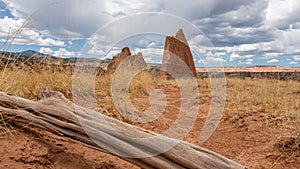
(274, 102)
(274, 99)
(28, 83)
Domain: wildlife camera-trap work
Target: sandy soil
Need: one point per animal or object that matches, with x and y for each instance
(248, 140)
(41, 149)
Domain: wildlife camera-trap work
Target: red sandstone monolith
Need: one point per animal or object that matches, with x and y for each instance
(176, 53)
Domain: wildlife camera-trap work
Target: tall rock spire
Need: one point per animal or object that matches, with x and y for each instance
(181, 37)
(177, 48)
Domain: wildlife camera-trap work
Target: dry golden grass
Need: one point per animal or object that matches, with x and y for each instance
(140, 88)
(275, 101)
(28, 84)
(273, 97)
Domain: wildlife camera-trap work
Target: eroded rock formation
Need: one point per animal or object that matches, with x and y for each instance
(116, 60)
(177, 52)
(133, 62)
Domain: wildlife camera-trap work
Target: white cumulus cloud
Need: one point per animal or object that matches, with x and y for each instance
(249, 61)
(297, 57)
(235, 56)
(281, 13)
(47, 51)
(215, 60)
(16, 33)
(62, 52)
(273, 61)
(293, 63)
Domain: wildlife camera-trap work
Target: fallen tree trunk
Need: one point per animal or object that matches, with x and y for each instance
(57, 114)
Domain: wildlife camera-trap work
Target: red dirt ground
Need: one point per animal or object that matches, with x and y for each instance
(248, 140)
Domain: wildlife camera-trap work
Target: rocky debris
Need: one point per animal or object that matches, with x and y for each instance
(116, 60)
(176, 53)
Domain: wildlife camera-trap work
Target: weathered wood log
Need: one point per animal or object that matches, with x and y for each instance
(57, 114)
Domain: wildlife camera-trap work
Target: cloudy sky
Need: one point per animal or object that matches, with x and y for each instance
(227, 32)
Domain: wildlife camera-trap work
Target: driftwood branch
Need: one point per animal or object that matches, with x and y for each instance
(57, 114)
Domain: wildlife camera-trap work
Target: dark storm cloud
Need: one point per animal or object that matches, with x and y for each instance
(239, 26)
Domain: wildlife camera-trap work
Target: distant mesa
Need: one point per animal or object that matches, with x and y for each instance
(177, 48)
